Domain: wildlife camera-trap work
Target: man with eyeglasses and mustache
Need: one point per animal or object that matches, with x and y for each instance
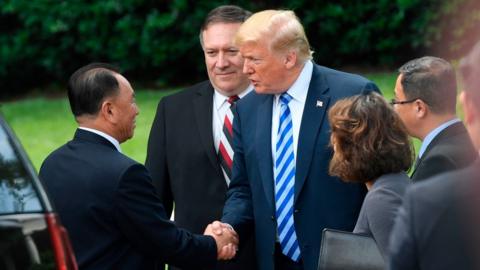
(425, 99)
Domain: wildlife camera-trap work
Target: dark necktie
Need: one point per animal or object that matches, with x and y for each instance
(225, 149)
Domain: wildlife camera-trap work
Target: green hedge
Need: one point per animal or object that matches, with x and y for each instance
(42, 41)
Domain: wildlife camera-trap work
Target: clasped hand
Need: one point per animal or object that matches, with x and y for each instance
(225, 237)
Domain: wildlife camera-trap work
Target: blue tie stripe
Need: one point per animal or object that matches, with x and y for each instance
(280, 179)
(283, 211)
(284, 130)
(287, 237)
(285, 117)
(281, 173)
(283, 148)
(284, 199)
(284, 172)
(285, 98)
(296, 251)
(281, 141)
(282, 185)
(286, 188)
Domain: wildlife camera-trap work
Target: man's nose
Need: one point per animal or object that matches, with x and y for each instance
(137, 110)
(222, 60)
(246, 67)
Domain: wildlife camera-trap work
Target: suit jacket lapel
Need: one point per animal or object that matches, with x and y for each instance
(203, 107)
(313, 116)
(452, 130)
(415, 166)
(263, 145)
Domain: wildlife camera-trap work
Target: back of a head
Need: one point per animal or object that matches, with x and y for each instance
(366, 128)
(224, 14)
(89, 86)
(432, 80)
(470, 73)
(281, 28)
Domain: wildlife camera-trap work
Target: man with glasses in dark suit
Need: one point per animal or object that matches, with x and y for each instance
(425, 99)
(437, 226)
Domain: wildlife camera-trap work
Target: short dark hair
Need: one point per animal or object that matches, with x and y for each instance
(470, 73)
(89, 86)
(224, 14)
(370, 139)
(432, 80)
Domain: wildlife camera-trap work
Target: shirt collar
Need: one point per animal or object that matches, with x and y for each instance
(429, 138)
(301, 84)
(219, 98)
(104, 135)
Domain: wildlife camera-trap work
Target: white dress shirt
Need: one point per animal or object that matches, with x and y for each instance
(104, 135)
(298, 91)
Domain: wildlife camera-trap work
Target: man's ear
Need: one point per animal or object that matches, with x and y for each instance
(468, 108)
(107, 110)
(290, 59)
(421, 108)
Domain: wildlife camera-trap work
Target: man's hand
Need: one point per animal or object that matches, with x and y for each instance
(226, 239)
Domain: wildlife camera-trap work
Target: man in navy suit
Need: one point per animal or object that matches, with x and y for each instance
(280, 188)
(437, 226)
(105, 199)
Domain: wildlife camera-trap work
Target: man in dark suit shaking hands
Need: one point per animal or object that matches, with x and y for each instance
(189, 149)
(280, 185)
(105, 199)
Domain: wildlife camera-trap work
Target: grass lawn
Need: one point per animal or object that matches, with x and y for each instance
(44, 124)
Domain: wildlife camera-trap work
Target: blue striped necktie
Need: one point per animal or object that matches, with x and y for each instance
(285, 181)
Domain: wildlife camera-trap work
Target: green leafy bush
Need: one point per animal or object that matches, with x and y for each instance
(43, 41)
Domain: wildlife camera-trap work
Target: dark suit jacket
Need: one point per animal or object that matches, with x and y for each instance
(437, 226)
(111, 211)
(450, 150)
(320, 201)
(185, 169)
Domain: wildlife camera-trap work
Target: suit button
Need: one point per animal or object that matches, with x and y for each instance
(296, 211)
(272, 217)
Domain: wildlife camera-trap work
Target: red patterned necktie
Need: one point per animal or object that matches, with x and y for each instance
(225, 149)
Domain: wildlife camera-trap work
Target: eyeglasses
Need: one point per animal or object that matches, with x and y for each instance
(394, 101)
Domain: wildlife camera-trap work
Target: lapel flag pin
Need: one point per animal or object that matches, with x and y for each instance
(319, 103)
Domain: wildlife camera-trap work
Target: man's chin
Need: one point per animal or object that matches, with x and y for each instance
(262, 90)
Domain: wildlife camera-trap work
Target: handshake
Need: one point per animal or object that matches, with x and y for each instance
(225, 237)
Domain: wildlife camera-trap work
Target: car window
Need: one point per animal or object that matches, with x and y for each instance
(17, 193)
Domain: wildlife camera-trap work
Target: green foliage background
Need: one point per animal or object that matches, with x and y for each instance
(43, 41)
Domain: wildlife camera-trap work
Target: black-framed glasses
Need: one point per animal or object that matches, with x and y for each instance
(394, 101)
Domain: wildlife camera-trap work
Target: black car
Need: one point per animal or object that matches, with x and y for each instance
(31, 235)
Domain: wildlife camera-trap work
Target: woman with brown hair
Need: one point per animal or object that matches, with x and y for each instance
(371, 146)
